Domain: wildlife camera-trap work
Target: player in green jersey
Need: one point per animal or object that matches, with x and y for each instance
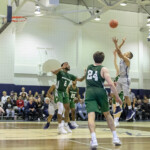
(73, 92)
(96, 98)
(63, 80)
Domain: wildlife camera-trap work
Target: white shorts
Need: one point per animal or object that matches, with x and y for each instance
(123, 84)
(51, 108)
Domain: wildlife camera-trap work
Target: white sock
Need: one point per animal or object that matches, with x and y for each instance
(66, 124)
(116, 119)
(117, 104)
(59, 125)
(114, 134)
(93, 135)
(129, 107)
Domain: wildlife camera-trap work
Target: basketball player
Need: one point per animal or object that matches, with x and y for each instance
(123, 83)
(63, 80)
(96, 98)
(52, 106)
(73, 92)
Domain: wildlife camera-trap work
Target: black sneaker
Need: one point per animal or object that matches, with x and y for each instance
(47, 125)
(118, 110)
(71, 126)
(130, 114)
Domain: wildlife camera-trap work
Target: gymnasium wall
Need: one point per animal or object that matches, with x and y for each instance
(46, 38)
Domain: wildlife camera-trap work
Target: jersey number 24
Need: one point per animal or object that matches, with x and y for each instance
(92, 75)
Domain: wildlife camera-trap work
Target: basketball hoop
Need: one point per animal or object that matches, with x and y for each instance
(18, 19)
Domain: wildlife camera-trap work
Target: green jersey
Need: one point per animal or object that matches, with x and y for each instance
(93, 76)
(63, 80)
(72, 92)
(116, 79)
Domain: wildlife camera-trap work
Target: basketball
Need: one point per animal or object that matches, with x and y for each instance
(113, 23)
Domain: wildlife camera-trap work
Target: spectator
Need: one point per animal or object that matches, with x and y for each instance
(23, 91)
(39, 108)
(12, 97)
(81, 110)
(30, 93)
(145, 109)
(31, 110)
(9, 108)
(36, 95)
(15, 96)
(1, 111)
(20, 105)
(45, 109)
(4, 98)
(43, 95)
(138, 109)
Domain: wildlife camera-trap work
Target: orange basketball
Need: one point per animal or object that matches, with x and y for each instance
(113, 23)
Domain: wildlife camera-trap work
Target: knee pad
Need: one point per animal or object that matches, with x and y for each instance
(60, 107)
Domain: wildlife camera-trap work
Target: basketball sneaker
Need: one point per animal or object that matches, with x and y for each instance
(71, 126)
(61, 130)
(116, 142)
(67, 129)
(93, 143)
(118, 110)
(75, 124)
(47, 125)
(130, 114)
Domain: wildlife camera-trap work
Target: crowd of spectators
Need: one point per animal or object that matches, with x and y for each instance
(29, 106)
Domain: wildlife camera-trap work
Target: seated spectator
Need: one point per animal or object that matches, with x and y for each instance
(43, 95)
(15, 96)
(31, 110)
(81, 110)
(39, 108)
(145, 109)
(4, 98)
(30, 93)
(45, 108)
(20, 105)
(23, 91)
(1, 111)
(13, 100)
(36, 95)
(9, 108)
(138, 109)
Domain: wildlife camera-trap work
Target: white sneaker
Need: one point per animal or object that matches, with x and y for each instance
(93, 143)
(117, 142)
(116, 124)
(67, 129)
(61, 130)
(75, 124)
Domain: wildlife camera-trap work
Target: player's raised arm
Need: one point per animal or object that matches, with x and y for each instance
(63, 66)
(115, 62)
(120, 53)
(106, 76)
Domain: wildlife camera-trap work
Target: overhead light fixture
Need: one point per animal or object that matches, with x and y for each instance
(97, 18)
(123, 4)
(148, 18)
(148, 24)
(37, 9)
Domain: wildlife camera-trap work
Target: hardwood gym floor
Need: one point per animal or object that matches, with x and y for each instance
(31, 136)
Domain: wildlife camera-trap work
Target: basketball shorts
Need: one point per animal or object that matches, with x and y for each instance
(96, 100)
(123, 84)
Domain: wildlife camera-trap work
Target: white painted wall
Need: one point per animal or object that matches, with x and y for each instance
(47, 38)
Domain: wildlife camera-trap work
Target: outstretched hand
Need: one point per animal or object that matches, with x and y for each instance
(115, 40)
(123, 40)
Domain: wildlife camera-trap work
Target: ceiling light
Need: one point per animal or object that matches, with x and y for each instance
(148, 18)
(97, 18)
(37, 9)
(148, 24)
(123, 4)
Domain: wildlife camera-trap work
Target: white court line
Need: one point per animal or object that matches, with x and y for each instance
(89, 145)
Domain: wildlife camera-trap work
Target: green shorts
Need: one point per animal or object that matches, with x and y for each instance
(121, 97)
(61, 97)
(72, 104)
(96, 100)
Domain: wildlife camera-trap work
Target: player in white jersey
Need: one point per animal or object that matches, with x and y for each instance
(123, 83)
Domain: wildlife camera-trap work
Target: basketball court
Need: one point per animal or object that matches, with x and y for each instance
(36, 36)
(30, 135)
